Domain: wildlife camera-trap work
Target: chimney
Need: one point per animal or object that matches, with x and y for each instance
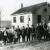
(21, 5)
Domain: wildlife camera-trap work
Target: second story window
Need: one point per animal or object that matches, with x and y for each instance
(14, 19)
(45, 9)
(21, 19)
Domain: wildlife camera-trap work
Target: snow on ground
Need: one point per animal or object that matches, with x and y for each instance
(32, 45)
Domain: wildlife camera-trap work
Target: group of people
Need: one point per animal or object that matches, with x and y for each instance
(14, 35)
(43, 31)
(9, 36)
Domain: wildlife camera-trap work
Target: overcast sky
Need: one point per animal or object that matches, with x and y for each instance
(9, 6)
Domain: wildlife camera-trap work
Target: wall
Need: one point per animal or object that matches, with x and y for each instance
(44, 15)
(26, 15)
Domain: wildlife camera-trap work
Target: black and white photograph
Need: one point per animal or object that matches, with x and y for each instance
(24, 24)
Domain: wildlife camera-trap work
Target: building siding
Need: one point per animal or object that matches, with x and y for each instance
(18, 23)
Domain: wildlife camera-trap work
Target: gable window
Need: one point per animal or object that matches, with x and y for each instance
(14, 19)
(45, 9)
(21, 19)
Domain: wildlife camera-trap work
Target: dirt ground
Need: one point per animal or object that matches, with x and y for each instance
(31, 45)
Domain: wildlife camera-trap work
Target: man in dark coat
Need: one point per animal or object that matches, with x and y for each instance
(23, 34)
(39, 31)
(28, 33)
(33, 32)
(45, 31)
(18, 34)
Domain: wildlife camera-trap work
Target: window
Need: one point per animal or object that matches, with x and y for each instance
(21, 19)
(45, 9)
(39, 18)
(14, 19)
(29, 19)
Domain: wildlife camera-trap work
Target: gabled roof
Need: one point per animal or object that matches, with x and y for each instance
(32, 8)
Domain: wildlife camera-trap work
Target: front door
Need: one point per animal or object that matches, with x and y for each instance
(39, 18)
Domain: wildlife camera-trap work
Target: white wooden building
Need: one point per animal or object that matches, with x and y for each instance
(31, 15)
